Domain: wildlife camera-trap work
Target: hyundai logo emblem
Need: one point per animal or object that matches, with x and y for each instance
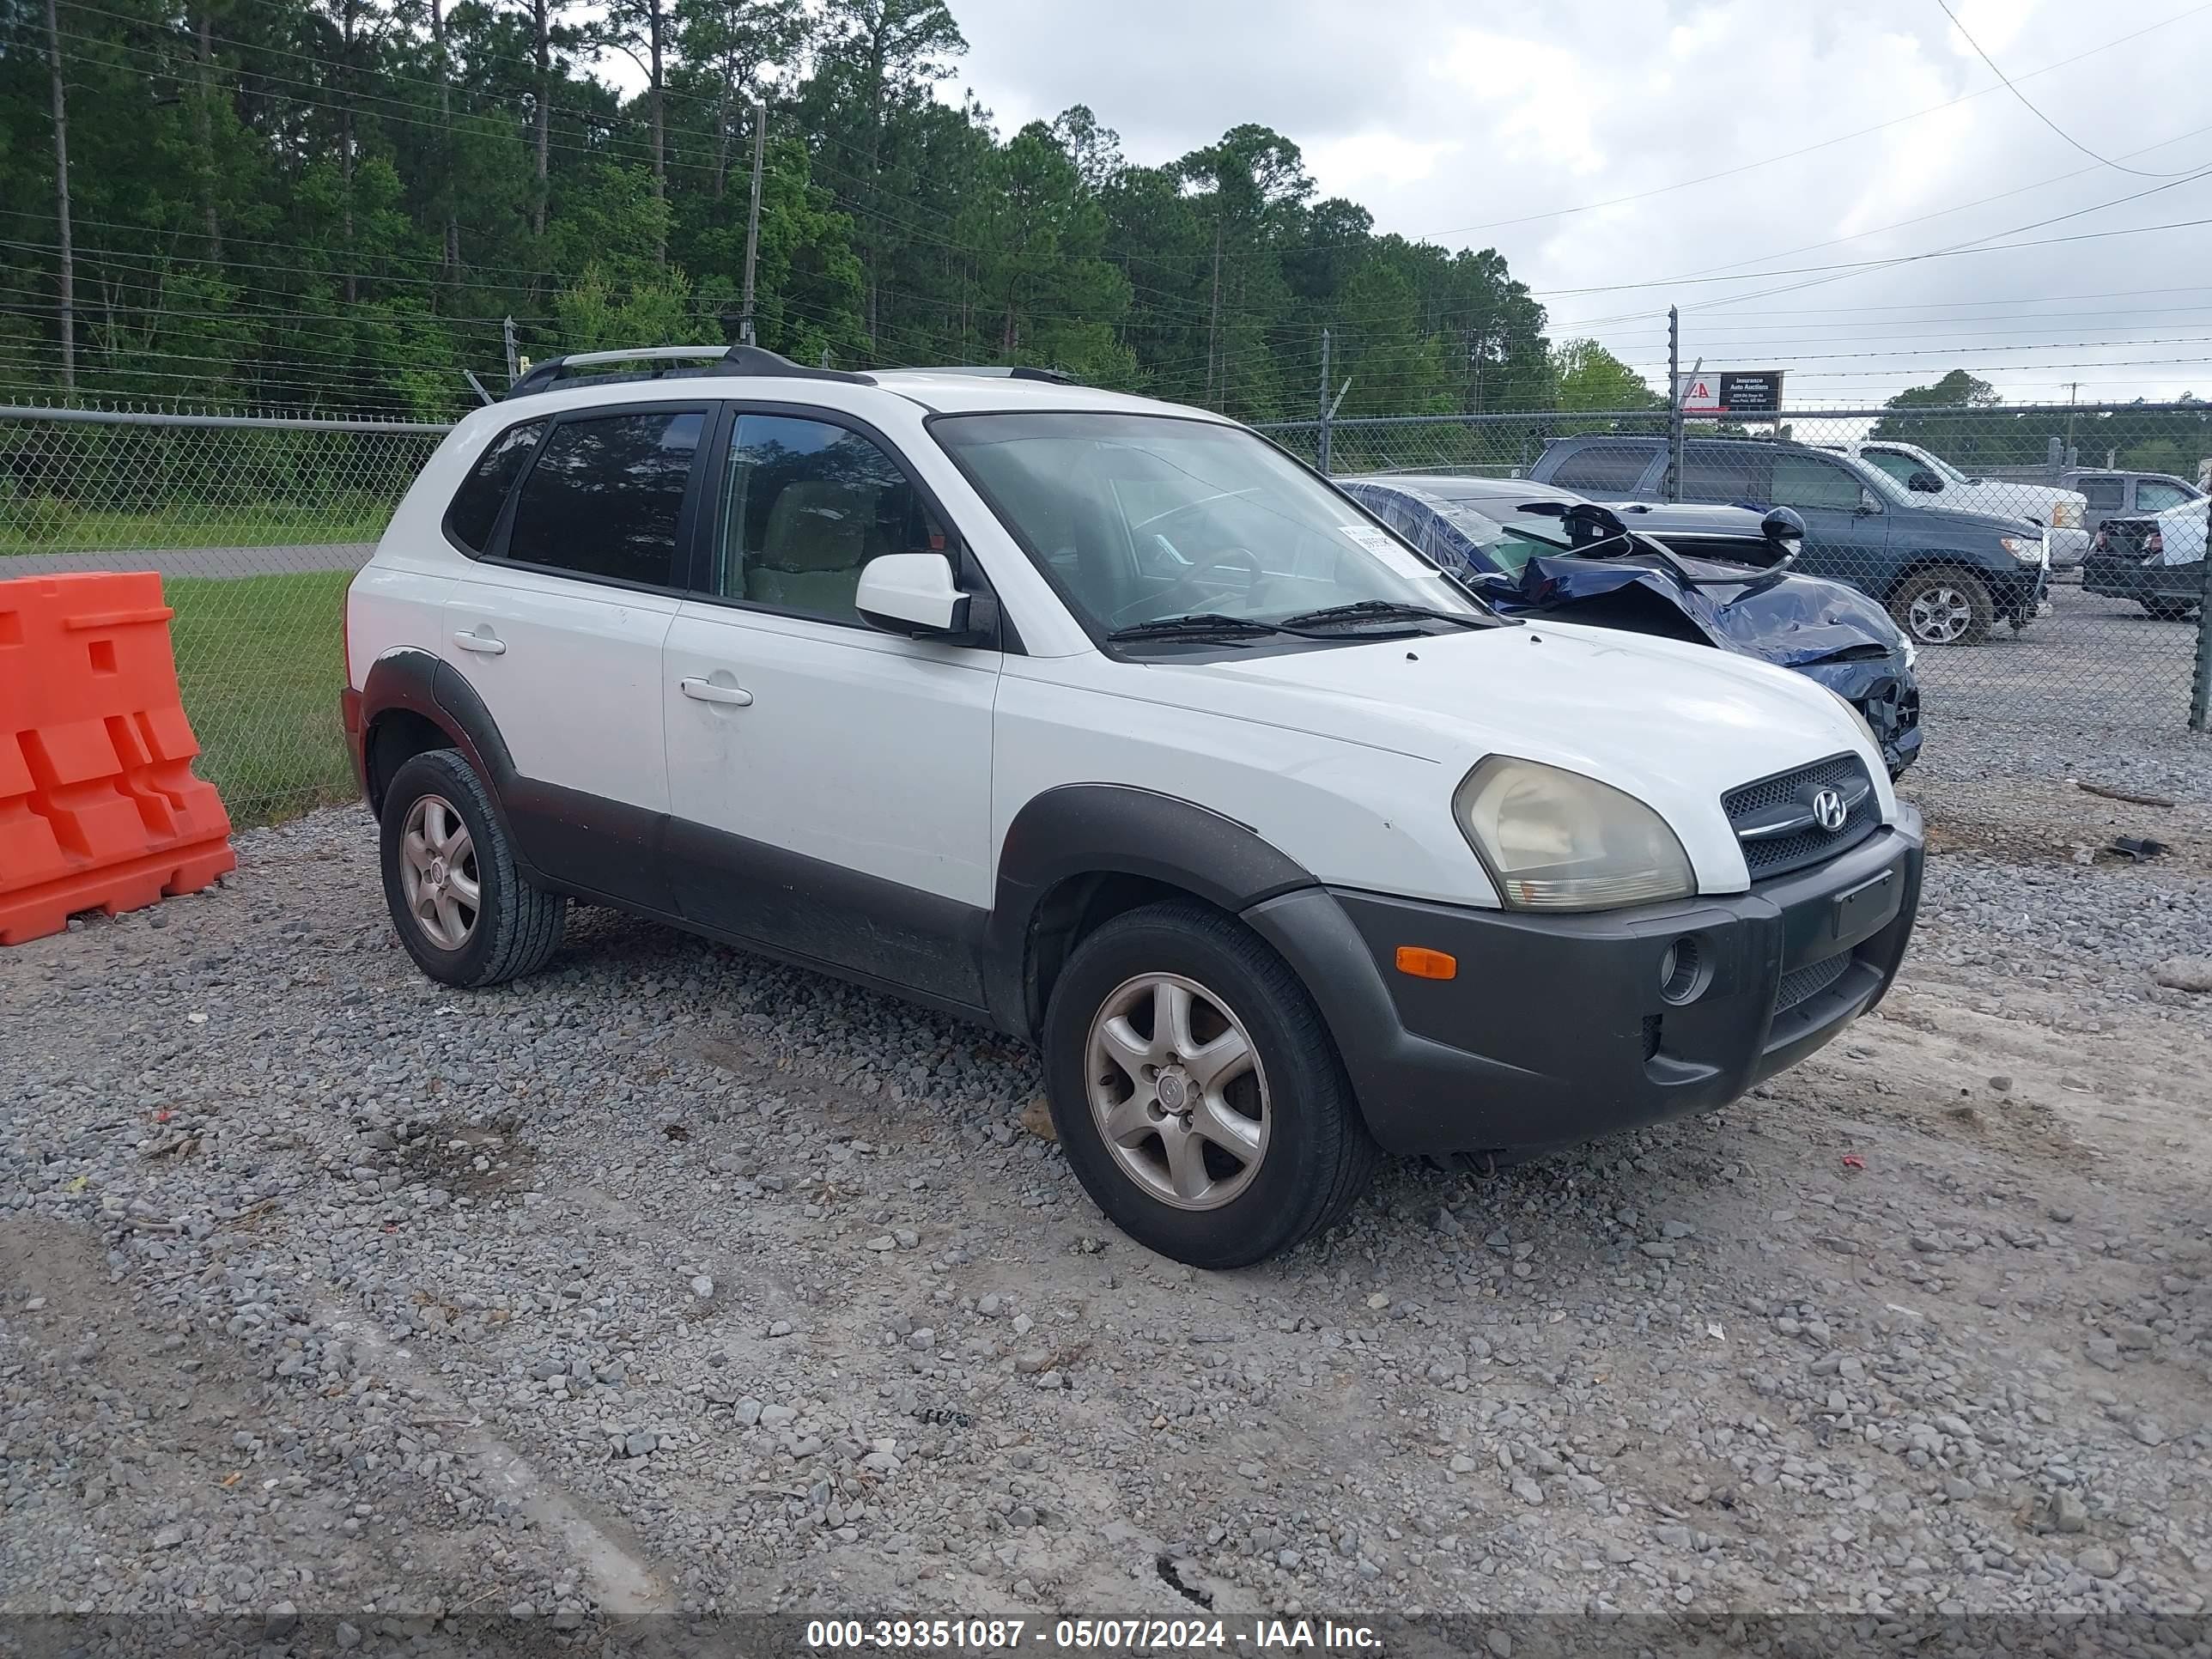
(1829, 811)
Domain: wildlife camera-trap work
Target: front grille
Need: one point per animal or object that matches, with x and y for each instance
(1807, 983)
(1775, 855)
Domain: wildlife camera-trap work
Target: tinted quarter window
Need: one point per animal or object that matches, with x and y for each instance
(806, 505)
(1725, 472)
(1603, 469)
(2102, 492)
(605, 494)
(477, 503)
(2155, 495)
(1801, 481)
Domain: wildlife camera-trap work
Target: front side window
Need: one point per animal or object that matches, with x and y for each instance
(2155, 495)
(475, 505)
(1801, 481)
(1899, 466)
(606, 495)
(1137, 518)
(806, 504)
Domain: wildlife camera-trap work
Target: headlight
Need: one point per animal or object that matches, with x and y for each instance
(2021, 549)
(1554, 839)
(2066, 515)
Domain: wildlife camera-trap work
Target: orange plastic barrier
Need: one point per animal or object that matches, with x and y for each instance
(98, 808)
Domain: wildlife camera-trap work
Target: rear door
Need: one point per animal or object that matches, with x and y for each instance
(1846, 523)
(1605, 471)
(2106, 497)
(557, 626)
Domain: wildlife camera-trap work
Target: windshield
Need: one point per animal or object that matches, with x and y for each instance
(1136, 518)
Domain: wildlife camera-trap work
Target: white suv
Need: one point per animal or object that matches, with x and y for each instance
(1109, 724)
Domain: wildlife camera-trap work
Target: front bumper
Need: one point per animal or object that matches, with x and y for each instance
(1555, 1029)
(2019, 595)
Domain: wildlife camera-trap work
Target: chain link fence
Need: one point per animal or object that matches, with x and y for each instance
(1948, 515)
(256, 526)
(2048, 561)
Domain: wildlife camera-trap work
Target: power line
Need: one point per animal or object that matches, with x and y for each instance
(2027, 105)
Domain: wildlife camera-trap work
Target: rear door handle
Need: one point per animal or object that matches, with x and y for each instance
(708, 691)
(490, 645)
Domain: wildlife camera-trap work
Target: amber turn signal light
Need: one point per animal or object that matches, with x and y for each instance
(1424, 963)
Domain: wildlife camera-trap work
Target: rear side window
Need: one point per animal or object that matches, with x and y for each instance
(1801, 481)
(1603, 469)
(1725, 472)
(606, 497)
(2101, 492)
(477, 504)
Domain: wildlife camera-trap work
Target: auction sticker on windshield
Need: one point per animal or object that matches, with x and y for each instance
(1383, 547)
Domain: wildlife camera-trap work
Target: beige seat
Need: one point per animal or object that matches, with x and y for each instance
(819, 534)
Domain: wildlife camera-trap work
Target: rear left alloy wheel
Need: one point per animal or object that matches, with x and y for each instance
(463, 907)
(1195, 1091)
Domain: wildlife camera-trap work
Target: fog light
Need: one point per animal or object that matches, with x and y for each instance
(1682, 971)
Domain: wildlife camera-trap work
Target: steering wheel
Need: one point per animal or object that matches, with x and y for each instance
(1187, 591)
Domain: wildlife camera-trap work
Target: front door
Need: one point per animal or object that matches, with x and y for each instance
(1846, 527)
(830, 784)
(558, 628)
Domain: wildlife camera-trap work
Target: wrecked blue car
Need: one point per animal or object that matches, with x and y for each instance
(1713, 575)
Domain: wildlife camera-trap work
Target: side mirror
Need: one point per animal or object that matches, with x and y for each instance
(914, 594)
(1783, 523)
(1868, 506)
(1926, 483)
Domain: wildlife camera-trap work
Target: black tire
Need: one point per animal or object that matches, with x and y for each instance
(1317, 1156)
(517, 926)
(2169, 609)
(1968, 614)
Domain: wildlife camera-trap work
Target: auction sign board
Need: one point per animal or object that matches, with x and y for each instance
(1730, 392)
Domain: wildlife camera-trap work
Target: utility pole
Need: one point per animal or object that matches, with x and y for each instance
(752, 222)
(1213, 321)
(1675, 402)
(514, 363)
(2072, 388)
(62, 205)
(1321, 448)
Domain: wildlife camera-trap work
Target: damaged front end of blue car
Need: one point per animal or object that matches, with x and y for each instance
(1718, 576)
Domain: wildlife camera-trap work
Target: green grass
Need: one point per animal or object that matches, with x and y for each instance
(261, 660)
(47, 526)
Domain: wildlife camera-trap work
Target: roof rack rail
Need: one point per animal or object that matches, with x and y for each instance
(558, 373)
(1003, 372)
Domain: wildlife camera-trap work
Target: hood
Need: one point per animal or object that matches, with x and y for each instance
(1791, 621)
(1675, 725)
(1997, 524)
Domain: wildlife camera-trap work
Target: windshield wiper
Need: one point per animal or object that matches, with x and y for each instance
(1197, 625)
(1385, 610)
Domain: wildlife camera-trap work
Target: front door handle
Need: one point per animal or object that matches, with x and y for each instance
(490, 645)
(708, 691)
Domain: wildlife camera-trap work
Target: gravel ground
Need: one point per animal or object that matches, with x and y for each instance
(674, 1282)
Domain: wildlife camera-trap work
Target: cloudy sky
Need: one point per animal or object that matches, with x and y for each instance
(1625, 154)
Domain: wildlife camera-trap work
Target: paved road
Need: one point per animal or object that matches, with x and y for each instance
(198, 561)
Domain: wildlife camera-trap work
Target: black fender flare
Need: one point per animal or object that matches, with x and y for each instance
(424, 684)
(1103, 829)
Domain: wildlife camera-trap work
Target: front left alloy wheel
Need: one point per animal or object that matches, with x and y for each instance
(1195, 1091)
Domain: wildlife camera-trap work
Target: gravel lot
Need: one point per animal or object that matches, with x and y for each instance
(674, 1282)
